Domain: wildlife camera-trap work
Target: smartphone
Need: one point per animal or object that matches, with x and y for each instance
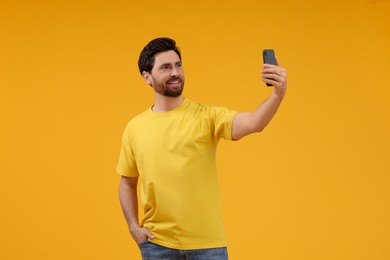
(269, 58)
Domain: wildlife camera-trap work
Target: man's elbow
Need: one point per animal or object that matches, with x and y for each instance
(256, 128)
(259, 129)
(248, 131)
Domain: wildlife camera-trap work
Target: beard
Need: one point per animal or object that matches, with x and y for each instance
(170, 91)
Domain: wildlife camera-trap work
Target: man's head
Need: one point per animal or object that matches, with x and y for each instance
(160, 66)
(147, 57)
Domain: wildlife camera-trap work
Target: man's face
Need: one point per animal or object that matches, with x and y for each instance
(167, 75)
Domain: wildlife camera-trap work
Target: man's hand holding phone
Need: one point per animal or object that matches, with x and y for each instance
(273, 74)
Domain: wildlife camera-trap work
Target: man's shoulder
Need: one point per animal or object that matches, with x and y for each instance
(138, 118)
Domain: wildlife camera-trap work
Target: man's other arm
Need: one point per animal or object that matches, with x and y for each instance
(246, 123)
(129, 202)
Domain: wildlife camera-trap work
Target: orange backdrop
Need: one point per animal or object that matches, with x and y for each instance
(313, 185)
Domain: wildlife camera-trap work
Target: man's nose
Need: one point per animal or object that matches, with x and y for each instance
(174, 72)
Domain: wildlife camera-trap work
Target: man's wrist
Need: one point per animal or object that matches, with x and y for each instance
(134, 226)
(279, 94)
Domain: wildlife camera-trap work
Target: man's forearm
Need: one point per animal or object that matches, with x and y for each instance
(266, 111)
(129, 201)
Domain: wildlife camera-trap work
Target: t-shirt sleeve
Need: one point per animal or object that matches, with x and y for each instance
(126, 165)
(223, 122)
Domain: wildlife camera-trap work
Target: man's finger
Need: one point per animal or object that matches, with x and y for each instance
(148, 233)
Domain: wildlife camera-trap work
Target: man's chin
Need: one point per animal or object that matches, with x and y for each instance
(173, 93)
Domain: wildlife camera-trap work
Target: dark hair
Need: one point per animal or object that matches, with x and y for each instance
(146, 58)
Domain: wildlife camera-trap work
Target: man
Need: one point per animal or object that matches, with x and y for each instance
(171, 148)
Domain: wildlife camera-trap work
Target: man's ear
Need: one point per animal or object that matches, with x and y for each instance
(147, 77)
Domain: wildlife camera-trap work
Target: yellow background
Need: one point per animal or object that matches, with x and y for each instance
(313, 185)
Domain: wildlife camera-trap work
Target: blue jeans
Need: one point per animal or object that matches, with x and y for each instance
(152, 251)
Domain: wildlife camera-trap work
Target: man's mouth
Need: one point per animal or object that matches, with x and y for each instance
(174, 82)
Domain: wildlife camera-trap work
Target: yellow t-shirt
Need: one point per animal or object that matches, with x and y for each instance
(173, 153)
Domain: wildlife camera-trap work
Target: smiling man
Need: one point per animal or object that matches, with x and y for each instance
(170, 148)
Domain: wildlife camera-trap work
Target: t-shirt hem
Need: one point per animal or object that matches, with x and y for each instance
(187, 246)
(126, 174)
(230, 126)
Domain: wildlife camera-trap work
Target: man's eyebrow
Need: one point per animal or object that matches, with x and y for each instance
(165, 64)
(169, 64)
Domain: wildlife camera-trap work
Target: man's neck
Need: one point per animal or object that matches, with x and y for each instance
(165, 104)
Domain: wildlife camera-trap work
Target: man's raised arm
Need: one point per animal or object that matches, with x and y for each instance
(246, 123)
